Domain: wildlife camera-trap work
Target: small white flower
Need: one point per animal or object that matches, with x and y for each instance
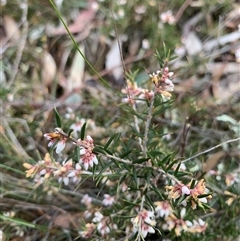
(87, 200)
(60, 146)
(98, 217)
(108, 200)
(185, 190)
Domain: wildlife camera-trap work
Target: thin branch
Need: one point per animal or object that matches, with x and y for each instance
(136, 124)
(60, 131)
(182, 9)
(142, 166)
(211, 149)
(148, 122)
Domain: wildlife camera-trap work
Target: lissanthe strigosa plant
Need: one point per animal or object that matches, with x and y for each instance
(141, 193)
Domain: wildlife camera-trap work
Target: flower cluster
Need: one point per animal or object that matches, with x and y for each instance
(143, 223)
(192, 194)
(167, 17)
(134, 92)
(87, 157)
(163, 209)
(46, 168)
(103, 224)
(162, 81)
(89, 229)
(58, 139)
(67, 171)
(179, 224)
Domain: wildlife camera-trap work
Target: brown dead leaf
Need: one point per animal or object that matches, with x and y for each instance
(66, 220)
(83, 19)
(233, 18)
(212, 161)
(75, 79)
(49, 68)
(11, 30)
(225, 85)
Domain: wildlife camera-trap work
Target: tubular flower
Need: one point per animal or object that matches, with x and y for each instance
(199, 189)
(43, 168)
(108, 200)
(88, 232)
(177, 190)
(67, 172)
(178, 224)
(56, 137)
(143, 223)
(163, 208)
(87, 158)
(162, 81)
(133, 92)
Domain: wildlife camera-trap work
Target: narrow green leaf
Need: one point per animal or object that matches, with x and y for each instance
(83, 131)
(204, 195)
(135, 177)
(160, 110)
(177, 169)
(165, 160)
(124, 154)
(57, 118)
(17, 221)
(99, 149)
(172, 164)
(110, 140)
(150, 201)
(141, 160)
(70, 132)
(192, 184)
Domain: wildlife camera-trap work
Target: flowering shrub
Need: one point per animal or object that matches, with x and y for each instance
(143, 192)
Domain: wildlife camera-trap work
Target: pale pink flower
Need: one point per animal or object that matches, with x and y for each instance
(140, 9)
(88, 232)
(74, 174)
(198, 226)
(163, 208)
(103, 228)
(177, 190)
(124, 187)
(162, 80)
(86, 200)
(133, 92)
(63, 172)
(185, 190)
(143, 223)
(87, 158)
(56, 137)
(237, 54)
(147, 95)
(145, 44)
(232, 178)
(98, 217)
(108, 200)
(178, 224)
(167, 17)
